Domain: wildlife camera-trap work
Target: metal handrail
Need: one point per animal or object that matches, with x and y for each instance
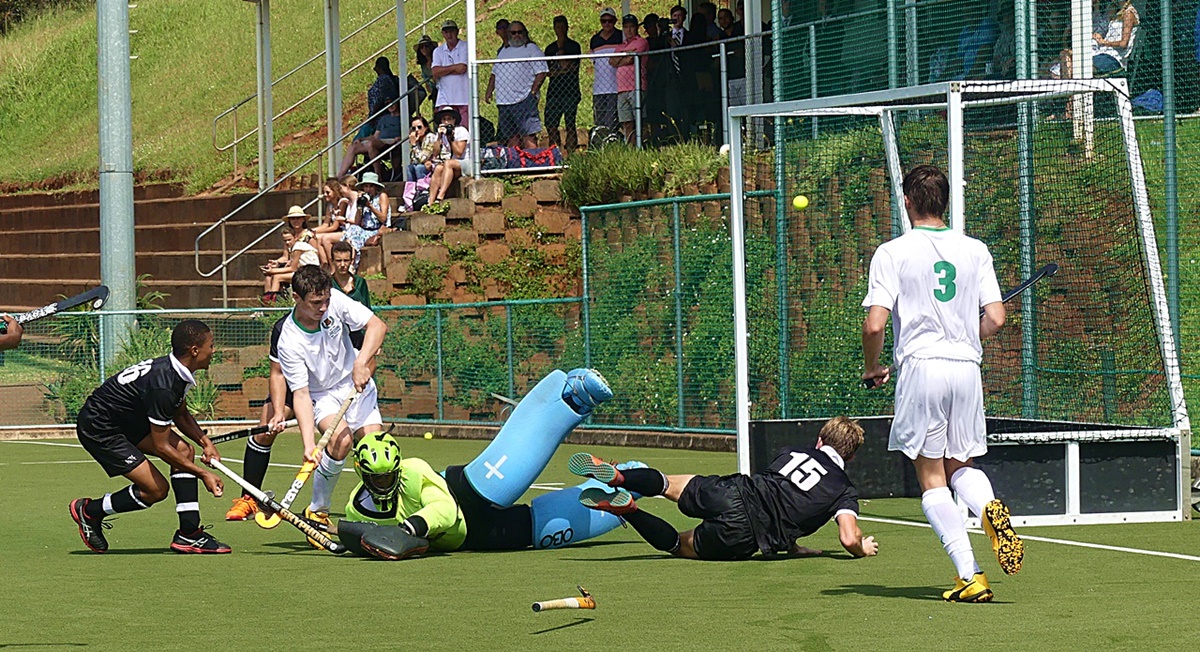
(238, 139)
(219, 223)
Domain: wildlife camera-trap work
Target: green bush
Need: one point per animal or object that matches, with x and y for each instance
(604, 175)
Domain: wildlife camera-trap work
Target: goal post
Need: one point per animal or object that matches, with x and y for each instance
(1084, 380)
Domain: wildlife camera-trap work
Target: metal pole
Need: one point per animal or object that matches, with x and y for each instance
(1025, 113)
(1170, 169)
(893, 30)
(224, 270)
(911, 64)
(954, 124)
(117, 260)
(441, 391)
(509, 355)
(740, 337)
(402, 74)
(752, 24)
(781, 223)
(585, 310)
(637, 99)
(473, 83)
(812, 74)
(678, 310)
(724, 94)
(333, 82)
(266, 113)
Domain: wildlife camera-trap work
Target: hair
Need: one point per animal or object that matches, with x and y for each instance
(678, 8)
(928, 189)
(350, 181)
(383, 65)
(843, 434)
(503, 24)
(309, 279)
(188, 333)
(333, 184)
(561, 19)
(709, 6)
(341, 246)
(723, 10)
(420, 118)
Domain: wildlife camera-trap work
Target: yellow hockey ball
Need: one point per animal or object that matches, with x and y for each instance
(429, 435)
(800, 202)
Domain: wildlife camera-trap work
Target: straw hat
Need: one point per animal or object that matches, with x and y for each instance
(295, 211)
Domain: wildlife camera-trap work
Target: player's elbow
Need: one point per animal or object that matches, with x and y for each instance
(871, 328)
(852, 544)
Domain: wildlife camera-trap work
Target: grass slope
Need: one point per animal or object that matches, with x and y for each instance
(276, 593)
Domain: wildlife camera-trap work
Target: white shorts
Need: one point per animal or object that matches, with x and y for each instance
(939, 410)
(364, 411)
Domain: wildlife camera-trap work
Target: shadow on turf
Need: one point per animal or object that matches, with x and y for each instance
(124, 551)
(875, 590)
(578, 621)
(4, 645)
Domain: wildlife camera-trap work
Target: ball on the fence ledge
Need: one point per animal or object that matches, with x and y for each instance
(800, 202)
(725, 150)
(428, 435)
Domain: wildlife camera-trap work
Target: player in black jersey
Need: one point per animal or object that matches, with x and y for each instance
(131, 414)
(766, 512)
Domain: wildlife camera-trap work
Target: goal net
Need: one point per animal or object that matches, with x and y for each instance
(1041, 171)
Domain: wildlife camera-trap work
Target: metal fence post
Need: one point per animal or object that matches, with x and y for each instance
(587, 298)
(812, 71)
(509, 341)
(637, 99)
(893, 51)
(437, 320)
(1171, 171)
(724, 94)
(910, 43)
(678, 309)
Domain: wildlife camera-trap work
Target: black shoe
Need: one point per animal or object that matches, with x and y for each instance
(90, 529)
(198, 542)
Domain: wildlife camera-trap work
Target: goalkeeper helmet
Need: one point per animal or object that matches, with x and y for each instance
(377, 461)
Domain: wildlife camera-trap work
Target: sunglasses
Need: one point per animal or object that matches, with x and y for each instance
(608, 21)
(417, 127)
(517, 32)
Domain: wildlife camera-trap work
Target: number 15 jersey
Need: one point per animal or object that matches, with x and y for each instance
(934, 281)
(800, 492)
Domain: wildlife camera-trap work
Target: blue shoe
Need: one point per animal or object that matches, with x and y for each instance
(586, 389)
(632, 464)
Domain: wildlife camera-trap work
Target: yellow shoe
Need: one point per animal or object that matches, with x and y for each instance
(977, 590)
(1009, 549)
(244, 508)
(316, 517)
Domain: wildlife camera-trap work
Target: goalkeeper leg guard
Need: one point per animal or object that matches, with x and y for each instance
(559, 519)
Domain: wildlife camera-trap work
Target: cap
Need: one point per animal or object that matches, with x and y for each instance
(608, 11)
(449, 24)
(629, 18)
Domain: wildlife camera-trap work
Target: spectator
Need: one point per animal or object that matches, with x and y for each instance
(502, 34)
(604, 84)
(678, 93)
(336, 206)
(424, 49)
(385, 88)
(735, 57)
(562, 92)
(389, 129)
(452, 152)
(654, 100)
(347, 200)
(1110, 50)
(709, 10)
(422, 140)
(351, 284)
(298, 251)
(516, 93)
(628, 83)
(450, 72)
(705, 103)
(374, 213)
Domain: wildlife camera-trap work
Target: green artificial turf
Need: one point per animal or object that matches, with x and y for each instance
(276, 593)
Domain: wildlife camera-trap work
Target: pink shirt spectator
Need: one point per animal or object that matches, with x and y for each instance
(625, 73)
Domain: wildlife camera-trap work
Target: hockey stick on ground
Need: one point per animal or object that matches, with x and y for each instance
(1048, 270)
(283, 512)
(95, 296)
(270, 520)
(586, 602)
(248, 432)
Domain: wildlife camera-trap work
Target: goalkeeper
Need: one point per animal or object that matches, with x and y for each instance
(402, 507)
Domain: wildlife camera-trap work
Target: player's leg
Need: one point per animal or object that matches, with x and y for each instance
(544, 417)
(560, 519)
(643, 481)
(190, 537)
(118, 457)
(257, 459)
(362, 417)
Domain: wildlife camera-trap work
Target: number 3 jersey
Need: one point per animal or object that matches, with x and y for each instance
(934, 281)
(800, 492)
(145, 393)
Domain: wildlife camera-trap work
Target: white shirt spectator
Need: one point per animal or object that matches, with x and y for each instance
(452, 89)
(515, 80)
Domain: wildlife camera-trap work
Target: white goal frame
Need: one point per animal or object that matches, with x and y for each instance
(953, 97)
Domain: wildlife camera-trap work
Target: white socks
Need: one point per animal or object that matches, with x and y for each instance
(947, 522)
(324, 480)
(973, 486)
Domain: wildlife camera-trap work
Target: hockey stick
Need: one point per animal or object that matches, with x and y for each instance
(248, 432)
(271, 520)
(95, 296)
(1047, 270)
(586, 602)
(283, 512)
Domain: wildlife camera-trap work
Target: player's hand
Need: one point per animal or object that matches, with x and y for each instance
(214, 485)
(880, 376)
(870, 548)
(209, 454)
(361, 375)
(310, 453)
(276, 424)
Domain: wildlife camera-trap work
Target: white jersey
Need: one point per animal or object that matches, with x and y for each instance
(934, 281)
(320, 360)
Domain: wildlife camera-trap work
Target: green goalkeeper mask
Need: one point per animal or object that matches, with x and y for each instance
(377, 461)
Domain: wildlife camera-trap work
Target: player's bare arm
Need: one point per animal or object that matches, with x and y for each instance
(12, 337)
(872, 343)
(993, 319)
(186, 424)
(277, 387)
(372, 340)
(305, 420)
(852, 537)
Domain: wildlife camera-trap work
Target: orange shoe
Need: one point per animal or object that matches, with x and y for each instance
(244, 508)
(590, 466)
(617, 503)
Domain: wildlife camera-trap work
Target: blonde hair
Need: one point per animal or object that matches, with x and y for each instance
(843, 434)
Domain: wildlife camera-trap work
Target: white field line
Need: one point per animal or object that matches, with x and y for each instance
(1063, 542)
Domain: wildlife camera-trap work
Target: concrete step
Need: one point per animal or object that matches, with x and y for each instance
(53, 242)
(149, 191)
(194, 293)
(161, 265)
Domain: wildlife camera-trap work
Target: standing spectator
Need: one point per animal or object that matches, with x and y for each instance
(452, 153)
(604, 84)
(517, 91)
(628, 83)
(562, 92)
(502, 34)
(653, 99)
(450, 72)
(424, 49)
(735, 57)
(709, 10)
(678, 93)
(422, 140)
(385, 88)
(351, 284)
(705, 103)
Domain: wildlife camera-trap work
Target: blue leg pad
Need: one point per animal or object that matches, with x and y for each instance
(559, 519)
(524, 446)
(586, 389)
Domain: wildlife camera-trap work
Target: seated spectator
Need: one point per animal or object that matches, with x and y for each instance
(1110, 50)
(421, 140)
(347, 199)
(517, 90)
(452, 152)
(627, 85)
(335, 206)
(389, 129)
(374, 213)
(298, 250)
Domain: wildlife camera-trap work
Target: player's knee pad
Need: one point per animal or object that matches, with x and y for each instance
(559, 519)
(585, 389)
(506, 468)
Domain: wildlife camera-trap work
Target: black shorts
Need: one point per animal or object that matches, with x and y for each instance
(726, 533)
(489, 527)
(287, 400)
(114, 451)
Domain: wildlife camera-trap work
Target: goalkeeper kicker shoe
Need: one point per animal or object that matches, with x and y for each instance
(244, 508)
(976, 590)
(617, 503)
(590, 466)
(198, 542)
(1009, 549)
(91, 530)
